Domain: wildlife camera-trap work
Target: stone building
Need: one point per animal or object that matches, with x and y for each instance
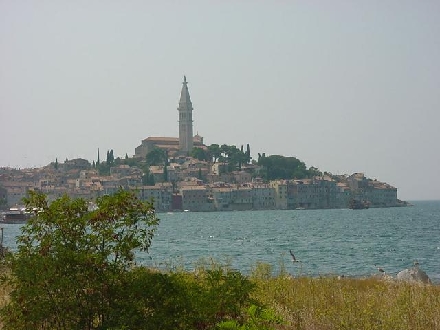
(263, 197)
(160, 195)
(280, 188)
(378, 194)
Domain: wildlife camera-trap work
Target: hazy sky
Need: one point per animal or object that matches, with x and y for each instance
(345, 86)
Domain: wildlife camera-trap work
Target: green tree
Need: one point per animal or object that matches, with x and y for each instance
(165, 173)
(215, 152)
(148, 179)
(71, 262)
(156, 156)
(103, 168)
(314, 171)
(200, 154)
(280, 167)
(234, 158)
(110, 157)
(242, 158)
(248, 154)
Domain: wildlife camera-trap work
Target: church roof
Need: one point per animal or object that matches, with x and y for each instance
(168, 140)
(162, 138)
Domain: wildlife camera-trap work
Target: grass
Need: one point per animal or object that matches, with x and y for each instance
(342, 303)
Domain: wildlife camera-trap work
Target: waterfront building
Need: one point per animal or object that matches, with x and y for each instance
(342, 195)
(242, 198)
(300, 194)
(160, 195)
(222, 197)
(196, 199)
(17, 190)
(280, 190)
(263, 197)
(315, 193)
(378, 194)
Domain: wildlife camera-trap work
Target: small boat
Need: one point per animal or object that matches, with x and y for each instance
(15, 215)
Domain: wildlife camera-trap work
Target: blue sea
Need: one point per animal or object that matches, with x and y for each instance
(327, 242)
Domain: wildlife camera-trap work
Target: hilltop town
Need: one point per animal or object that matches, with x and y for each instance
(182, 173)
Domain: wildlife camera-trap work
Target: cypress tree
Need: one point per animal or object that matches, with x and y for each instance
(165, 173)
(112, 158)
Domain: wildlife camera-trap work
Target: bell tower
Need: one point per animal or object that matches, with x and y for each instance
(185, 120)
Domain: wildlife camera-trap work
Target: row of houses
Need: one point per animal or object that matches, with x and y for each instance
(316, 193)
(184, 188)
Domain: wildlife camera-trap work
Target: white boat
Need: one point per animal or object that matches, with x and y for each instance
(15, 215)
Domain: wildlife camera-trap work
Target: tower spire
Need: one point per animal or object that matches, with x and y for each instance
(185, 119)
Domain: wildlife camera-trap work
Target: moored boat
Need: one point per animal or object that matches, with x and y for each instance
(15, 215)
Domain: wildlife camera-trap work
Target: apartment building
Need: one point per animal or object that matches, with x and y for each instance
(263, 197)
(196, 199)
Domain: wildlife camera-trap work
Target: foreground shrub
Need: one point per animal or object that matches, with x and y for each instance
(152, 300)
(71, 261)
(222, 296)
(257, 318)
(178, 300)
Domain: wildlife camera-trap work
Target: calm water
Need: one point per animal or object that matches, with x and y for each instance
(345, 241)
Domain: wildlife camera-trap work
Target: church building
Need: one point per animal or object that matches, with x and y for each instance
(185, 142)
